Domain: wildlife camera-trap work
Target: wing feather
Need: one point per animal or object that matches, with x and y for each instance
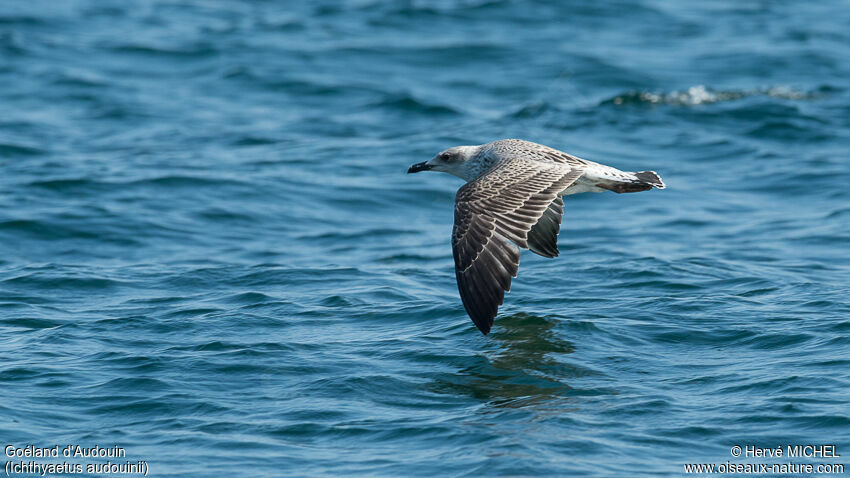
(543, 237)
(515, 205)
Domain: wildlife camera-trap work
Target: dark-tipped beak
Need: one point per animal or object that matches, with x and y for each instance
(423, 166)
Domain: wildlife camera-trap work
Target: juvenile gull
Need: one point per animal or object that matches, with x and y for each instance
(512, 200)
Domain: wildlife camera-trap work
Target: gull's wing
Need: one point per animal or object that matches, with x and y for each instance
(517, 204)
(543, 237)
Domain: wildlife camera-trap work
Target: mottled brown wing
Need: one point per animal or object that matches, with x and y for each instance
(493, 217)
(543, 237)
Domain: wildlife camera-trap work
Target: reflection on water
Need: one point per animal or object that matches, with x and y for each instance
(524, 367)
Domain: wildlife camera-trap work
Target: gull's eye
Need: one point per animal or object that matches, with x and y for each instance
(445, 157)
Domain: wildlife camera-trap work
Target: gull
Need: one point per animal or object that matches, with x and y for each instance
(512, 200)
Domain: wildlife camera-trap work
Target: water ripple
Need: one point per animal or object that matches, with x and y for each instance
(699, 95)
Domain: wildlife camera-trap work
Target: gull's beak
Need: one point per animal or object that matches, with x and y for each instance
(423, 166)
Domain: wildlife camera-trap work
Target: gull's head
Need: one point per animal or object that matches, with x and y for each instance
(455, 161)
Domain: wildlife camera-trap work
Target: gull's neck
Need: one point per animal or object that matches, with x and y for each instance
(476, 163)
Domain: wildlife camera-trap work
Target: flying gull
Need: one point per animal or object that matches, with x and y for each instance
(512, 200)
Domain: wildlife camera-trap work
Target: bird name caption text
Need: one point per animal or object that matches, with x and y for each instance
(69, 460)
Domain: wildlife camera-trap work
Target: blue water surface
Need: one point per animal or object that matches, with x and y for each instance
(211, 256)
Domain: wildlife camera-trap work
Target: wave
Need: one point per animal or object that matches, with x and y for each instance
(56, 280)
(410, 104)
(9, 149)
(81, 185)
(190, 51)
(701, 95)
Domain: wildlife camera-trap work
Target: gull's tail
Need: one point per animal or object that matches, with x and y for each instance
(633, 182)
(650, 177)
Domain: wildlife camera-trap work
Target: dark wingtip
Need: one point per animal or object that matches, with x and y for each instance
(481, 322)
(484, 322)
